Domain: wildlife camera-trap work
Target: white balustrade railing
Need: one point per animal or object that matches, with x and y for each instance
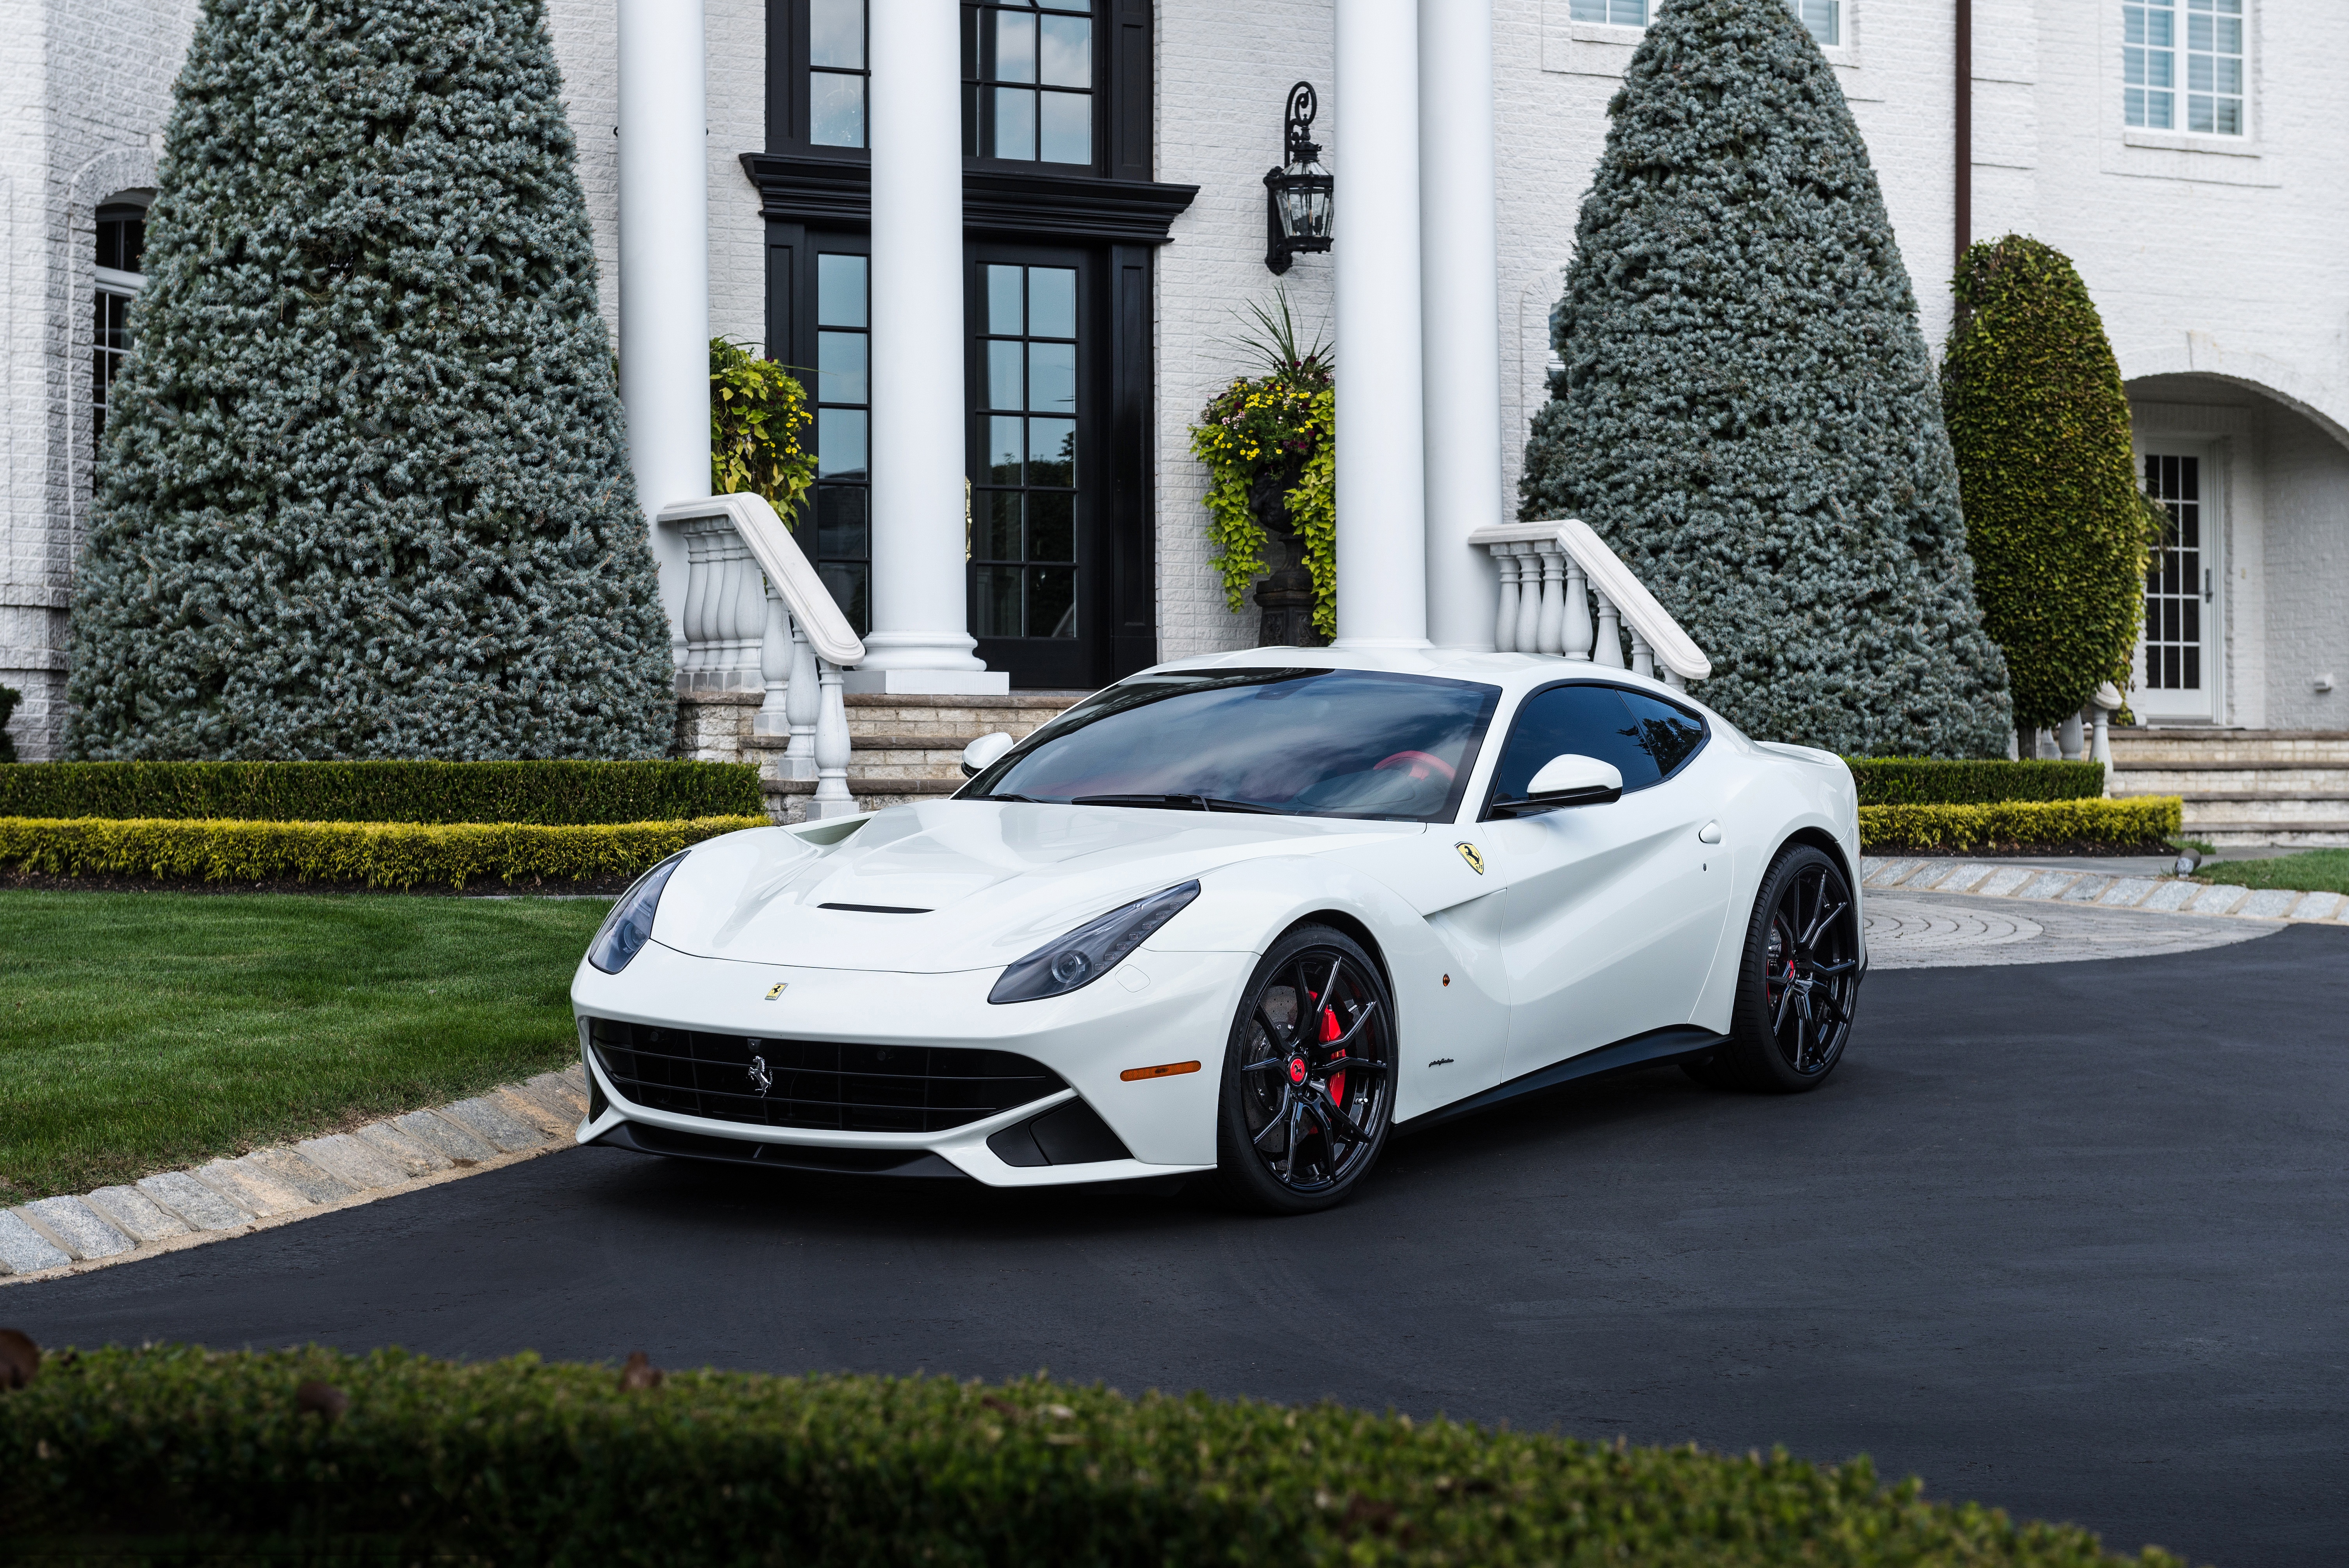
(1552, 575)
(758, 618)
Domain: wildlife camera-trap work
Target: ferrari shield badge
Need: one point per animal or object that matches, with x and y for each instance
(778, 988)
(1476, 862)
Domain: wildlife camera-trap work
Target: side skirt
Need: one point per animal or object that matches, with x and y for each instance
(1639, 1051)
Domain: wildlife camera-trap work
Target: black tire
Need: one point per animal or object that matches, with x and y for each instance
(1797, 980)
(1292, 1135)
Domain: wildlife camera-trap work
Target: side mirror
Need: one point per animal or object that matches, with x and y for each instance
(981, 754)
(1568, 780)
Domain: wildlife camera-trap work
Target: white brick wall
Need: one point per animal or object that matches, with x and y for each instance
(2220, 272)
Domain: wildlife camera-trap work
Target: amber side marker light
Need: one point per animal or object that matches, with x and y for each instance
(1135, 1074)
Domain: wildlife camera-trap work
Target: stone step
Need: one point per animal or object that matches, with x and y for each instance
(2231, 778)
(2145, 747)
(2228, 833)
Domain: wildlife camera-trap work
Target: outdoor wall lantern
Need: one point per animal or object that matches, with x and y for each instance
(1297, 195)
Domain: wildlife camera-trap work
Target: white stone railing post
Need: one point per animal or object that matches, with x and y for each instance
(2068, 739)
(2106, 703)
(1553, 599)
(1579, 634)
(1644, 658)
(832, 796)
(1528, 632)
(773, 716)
(1505, 625)
(1609, 651)
(802, 701)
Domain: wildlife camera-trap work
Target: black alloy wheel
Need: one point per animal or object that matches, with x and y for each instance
(1798, 985)
(1308, 1075)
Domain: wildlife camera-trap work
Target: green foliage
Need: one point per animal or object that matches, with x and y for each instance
(9, 697)
(1747, 412)
(2055, 519)
(757, 411)
(1920, 782)
(363, 854)
(1273, 433)
(551, 793)
(2140, 822)
(364, 491)
(149, 1030)
(525, 1461)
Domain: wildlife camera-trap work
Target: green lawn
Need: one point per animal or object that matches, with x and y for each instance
(2312, 871)
(144, 1031)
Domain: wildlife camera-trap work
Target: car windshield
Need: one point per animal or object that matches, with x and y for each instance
(1330, 743)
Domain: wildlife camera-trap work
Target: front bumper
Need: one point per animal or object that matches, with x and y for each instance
(1156, 1009)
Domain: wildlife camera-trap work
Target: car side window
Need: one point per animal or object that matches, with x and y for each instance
(1589, 720)
(1671, 732)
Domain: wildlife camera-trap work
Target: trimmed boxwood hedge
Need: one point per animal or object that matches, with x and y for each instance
(553, 793)
(2142, 821)
(372, 854)
(1925, 781)
(392, 1457)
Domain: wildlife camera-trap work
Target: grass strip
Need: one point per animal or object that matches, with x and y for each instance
(520, 1461)
(2314, 871)
(146, 1031)
(369, 854)
(550, 793)
(2138, 823)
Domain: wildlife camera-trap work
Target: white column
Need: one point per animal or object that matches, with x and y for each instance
(1381, 458)
(1460, 279)
(664, 270)
(919, 640)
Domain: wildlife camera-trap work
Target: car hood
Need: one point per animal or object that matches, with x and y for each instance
(949, 885)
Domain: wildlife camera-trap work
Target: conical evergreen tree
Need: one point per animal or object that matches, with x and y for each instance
(2054, 521)
(365, 492)
(1747, 412)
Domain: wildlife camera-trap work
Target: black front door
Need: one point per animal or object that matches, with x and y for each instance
(1035, 449)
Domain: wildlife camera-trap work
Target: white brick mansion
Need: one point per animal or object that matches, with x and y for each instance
(2186, 154)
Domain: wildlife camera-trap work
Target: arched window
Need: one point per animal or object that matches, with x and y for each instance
(122, 245)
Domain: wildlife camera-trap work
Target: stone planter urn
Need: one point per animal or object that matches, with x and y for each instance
(1286, 597)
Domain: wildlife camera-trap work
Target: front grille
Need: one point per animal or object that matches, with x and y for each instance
(814, 1083)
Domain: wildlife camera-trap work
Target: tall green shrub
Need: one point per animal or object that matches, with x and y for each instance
(2055, 519)
(365, 492)
(1747, 411)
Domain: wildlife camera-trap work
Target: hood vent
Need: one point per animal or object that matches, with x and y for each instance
(874, 908)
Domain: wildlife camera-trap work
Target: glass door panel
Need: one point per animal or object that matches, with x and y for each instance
(2177, 653)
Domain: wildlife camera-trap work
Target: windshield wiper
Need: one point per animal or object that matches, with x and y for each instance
(1180, 803)
(1023, 799)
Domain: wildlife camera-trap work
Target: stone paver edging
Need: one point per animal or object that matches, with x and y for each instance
(54, 1236)
(2172, 895)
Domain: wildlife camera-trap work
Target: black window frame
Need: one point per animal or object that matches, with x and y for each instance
(1517, 719)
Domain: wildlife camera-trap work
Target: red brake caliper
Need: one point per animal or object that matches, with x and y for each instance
(1331, 1031)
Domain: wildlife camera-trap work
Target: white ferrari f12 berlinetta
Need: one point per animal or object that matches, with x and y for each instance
(1240, 916)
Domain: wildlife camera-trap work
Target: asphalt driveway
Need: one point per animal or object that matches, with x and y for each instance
(2069, 1238)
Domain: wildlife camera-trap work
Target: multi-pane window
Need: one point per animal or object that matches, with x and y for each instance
(844, 415)
(1823, 17)
(838, 72)
(1027, 79)
(1023, 514)
(2174, 584)
(2204, 58)
(121, 244)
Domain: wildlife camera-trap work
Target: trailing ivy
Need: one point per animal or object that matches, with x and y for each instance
(364, 491)
(2055, 519)
(1746, 411)
(757, 412)
(1273, 438)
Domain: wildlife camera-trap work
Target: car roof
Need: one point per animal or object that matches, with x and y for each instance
(1515, 674)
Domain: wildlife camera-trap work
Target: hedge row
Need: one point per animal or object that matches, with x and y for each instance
(2144, 821)
(375, 855)
(1922, 781)
(395, 1456)
(553, 793)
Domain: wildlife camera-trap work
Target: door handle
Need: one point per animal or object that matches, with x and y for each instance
(1709, 834)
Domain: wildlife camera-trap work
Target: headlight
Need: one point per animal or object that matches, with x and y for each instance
(629, 927)
(1092, 950)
